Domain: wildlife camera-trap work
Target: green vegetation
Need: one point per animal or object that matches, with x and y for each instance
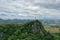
(57, 36)
(29, 31)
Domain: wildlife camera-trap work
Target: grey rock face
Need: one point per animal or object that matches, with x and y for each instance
(36, 27)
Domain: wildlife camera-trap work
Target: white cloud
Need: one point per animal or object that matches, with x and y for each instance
(33, 7)
(30, 8)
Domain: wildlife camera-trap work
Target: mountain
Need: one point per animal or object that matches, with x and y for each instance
(48, 21)
(32, 30)
(13, 21)
(51, 21)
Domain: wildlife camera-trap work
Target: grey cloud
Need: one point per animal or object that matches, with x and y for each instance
(29, 8)
(3, 15)
(49, 6)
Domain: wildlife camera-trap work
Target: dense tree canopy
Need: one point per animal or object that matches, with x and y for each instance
(23, 32)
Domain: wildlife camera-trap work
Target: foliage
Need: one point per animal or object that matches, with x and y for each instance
(23, 32)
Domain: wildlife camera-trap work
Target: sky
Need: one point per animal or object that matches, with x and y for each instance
(29, 9)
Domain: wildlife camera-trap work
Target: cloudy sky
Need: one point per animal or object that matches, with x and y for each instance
(29, 9)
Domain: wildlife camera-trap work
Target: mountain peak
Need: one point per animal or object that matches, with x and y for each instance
(36, 27)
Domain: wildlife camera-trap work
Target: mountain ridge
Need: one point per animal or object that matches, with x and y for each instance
(48, 21)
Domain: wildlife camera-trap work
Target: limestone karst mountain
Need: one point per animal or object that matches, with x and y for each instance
(33, 30)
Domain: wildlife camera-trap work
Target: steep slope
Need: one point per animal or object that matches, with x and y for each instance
(29, 31)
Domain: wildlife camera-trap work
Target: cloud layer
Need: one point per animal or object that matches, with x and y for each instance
(28, 9)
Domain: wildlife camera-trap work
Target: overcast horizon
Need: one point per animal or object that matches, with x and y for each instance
(29, 9)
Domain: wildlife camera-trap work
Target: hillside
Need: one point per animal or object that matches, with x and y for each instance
(33, 30)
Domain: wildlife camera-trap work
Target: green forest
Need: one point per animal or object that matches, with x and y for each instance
(32, 30)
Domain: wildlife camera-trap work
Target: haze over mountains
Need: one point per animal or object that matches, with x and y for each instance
(49, 21)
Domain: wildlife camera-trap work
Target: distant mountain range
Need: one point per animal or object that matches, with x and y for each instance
(49, 21)
(13, 21)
